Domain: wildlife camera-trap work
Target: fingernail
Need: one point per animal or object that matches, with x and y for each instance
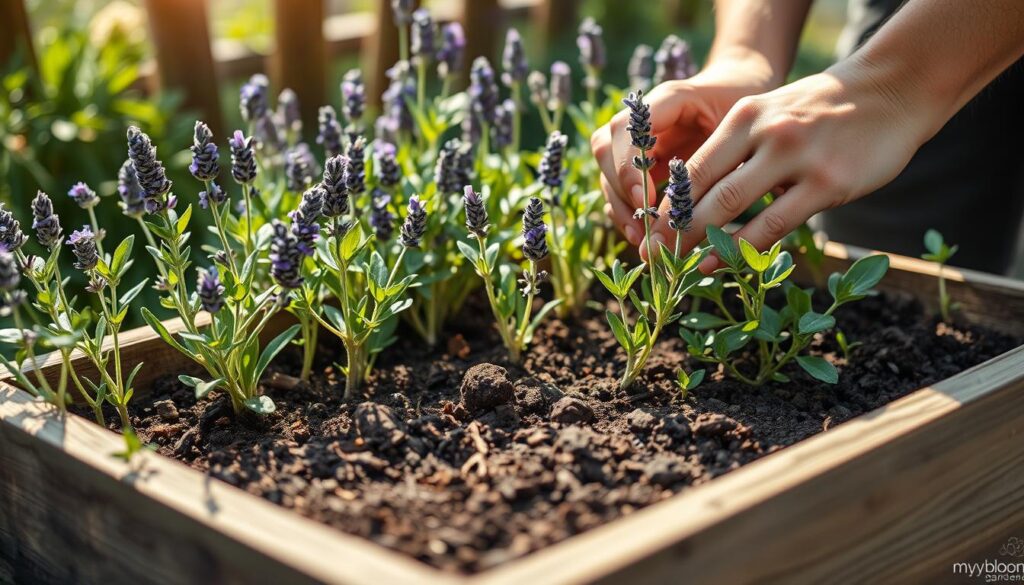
(638, 196)
(632, 235)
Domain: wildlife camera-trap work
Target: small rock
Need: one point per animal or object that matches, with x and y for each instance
(713, 425)
(486, 386)
(641, 420)
(665, 471)
(570, 410)
(166, 410)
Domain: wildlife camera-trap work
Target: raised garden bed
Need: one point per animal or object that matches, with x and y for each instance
(899, 492)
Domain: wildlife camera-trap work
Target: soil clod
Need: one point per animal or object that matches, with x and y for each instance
(485, 387)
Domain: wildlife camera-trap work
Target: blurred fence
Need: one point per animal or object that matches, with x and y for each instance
(190, 62)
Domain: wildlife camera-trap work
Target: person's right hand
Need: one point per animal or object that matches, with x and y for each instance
(683, 115)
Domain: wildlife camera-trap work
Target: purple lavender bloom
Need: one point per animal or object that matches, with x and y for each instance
(243, 159)
(537, 83)
(472, 127)
(386, 128)
(269, 137)
(353, 96)
(641, 67)
(513, 59)
(285, 258)
(11, 236)
(298, 167)
(551, 169)
(45, 222)
(289, 114)
(150, 172)
(503, 124)
(210, 290)
(424, 36)
(561, 86)
(10, 276)
(381, 219)
(215, 195)
(83, 195)
(592, 52)
(355, 173)
(402, 10)
(335, 187)
(204, 154)
(533, 215)
(453, 48)
(477, 221)
(133, 199)
(330, 131)
(306, 219)
(83, 244)
(454, 167)
(483, 90)
(385, 164)
(400, 92)
(673, 60)
(639, 129)
(535, 243)
(680, 213)
(415, 224)
(252, 100)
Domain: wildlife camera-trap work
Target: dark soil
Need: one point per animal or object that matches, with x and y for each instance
(465, 462)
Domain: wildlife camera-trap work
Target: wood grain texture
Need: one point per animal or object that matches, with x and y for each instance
(299, 60)
(895, 495)
(15, 33)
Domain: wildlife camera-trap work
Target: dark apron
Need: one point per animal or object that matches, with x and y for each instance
(967, 181)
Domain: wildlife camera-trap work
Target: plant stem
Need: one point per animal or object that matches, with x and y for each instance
(29, 348)
(250, 242)
(96, 231)
(517, 115)
(943, 297)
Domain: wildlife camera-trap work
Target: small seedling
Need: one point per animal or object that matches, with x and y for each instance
(940, 253)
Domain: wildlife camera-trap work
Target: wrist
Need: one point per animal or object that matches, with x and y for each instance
(743, 67)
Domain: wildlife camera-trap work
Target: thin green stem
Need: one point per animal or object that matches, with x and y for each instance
(96, 230)
(250, 242)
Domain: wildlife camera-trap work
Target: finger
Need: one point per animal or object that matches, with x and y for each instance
(601, 145)
(780, 218)
(727, 147)
(622, 216)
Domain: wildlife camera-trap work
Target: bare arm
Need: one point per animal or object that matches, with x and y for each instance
(756, 31)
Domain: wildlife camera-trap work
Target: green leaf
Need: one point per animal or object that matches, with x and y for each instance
(799, 300)
(182, 224)
(260, 404)
(471, 253)
(121, 256)
(725, 247)
(620, 331)
(815, 322)
(863, 275)
(271, 351)
(162, 331)
(700, 320)
(754, 259)
(933, 241)
(608, 283)
(818, 368)
(779, 270)
(351, 243)
(688, 382)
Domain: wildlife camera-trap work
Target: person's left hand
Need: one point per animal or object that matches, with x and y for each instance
(818, 143)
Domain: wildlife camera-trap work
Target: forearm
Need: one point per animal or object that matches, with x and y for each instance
(761, 33)
(933, 56)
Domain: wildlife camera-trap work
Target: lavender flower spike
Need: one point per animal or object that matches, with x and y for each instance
(45, 222)
(381, 219)
(639, 129)
(385, 164)
(305, 219)
(402, 10)
(285, 258)
(535, 243)
(297, 170)
(424, 37)
(289, 113)
(330, 131)
(483, 90)
(335, 188)
(592, 52)
(243, 159)
(454, 166)
(133, 199)
(83, 243)
(150, 172)
(537, 82)
(83, 195)
(504, 130)
(415, 224)
(252, 101)
(513, 59)
(10, 276)
(641, 67)
(353, 96)
(451, 52)
(11, 236)
(476, 212)
(204, 154)
(680, 213)
(355, 173)
(215, 195)
(210, 290)
(551, 165)
(561, 86)
(533, 215)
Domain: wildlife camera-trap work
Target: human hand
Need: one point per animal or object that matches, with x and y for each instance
(816, 143)
(683, 115)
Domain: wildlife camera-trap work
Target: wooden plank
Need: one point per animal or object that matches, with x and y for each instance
(185, 61)
(922, 482)
(380, 51)
(480, 19)
(552, 18)
(299, 60)
(15, 32)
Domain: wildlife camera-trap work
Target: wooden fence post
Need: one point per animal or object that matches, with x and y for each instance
(299, 60)
(15, 33)
(380, 51)
(553, 17)
(481, 19)
(181, 38)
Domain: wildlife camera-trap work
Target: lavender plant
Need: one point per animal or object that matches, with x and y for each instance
(228, 348)
(669, 276)
(780, 336)
(512, 308)
(940, 252)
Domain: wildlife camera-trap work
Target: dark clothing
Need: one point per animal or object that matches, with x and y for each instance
(967, 181)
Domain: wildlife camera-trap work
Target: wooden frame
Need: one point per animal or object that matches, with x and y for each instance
(894, 495)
